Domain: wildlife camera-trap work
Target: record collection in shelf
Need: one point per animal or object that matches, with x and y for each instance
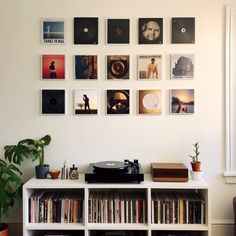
(56, 207)
(117, 207)
(178, 208)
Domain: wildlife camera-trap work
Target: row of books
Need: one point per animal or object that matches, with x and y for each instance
(177, 208)
(117, 207)
(56, 207)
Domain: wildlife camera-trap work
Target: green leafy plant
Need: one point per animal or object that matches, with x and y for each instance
(27, 148)
(195, 156)
(10, 188)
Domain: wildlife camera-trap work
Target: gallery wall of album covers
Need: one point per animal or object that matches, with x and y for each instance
(119, 67)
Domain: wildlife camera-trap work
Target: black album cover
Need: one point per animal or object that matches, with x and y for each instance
(118, 31)
(117, 101)
(118, 67)
(183, 30)
(85, 30)
(53, 101)
(150, 30)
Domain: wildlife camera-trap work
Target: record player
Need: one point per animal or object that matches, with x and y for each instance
(114, 172)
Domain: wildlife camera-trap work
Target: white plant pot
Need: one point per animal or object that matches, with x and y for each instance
(196, 175)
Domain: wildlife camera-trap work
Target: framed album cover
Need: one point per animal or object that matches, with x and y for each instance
(182, 101)
(85, 30)
(53, 67)
(118, 67)
(53, 101)
(52, 31)
(182, 66)
(150, 102)
(150, 67)
(183, 30)
(150, 30)
(86, 67)
(118, 101)
(118, 31)
(86, 101)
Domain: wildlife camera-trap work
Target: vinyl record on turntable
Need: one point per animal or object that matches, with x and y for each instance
(183, 30)
(110, 166)
(53, 101)
(85, 30)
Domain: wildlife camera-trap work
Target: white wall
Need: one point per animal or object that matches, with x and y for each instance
(85, 139)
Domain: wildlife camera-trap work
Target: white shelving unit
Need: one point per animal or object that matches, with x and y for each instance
(33, 229)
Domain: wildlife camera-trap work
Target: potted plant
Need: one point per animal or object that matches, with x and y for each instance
(30, 148)
(10, 191)
(195, 163)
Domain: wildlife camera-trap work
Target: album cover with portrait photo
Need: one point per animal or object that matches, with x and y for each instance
(182, 66)
(53, 101)
(118, 31)
(85, 30)
(86, 67)
(150, 67)
(182, 101)
(52, 31)
(118, 67)
(118, 101)
(86, 101)
(183, 30)
(150, 102)
(150, 30)
(53, 67)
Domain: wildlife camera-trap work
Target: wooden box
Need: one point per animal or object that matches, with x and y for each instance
(169, 172)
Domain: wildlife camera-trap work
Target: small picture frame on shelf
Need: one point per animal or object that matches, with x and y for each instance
(52, 31)
(86, 102)
(118, 67)
(150, 30)
(85, 30)
(118, 101)
(150, 102)
(182, 66)
(53, 67)
(183, 30)
(149, 67)
(86, 67)
(53, 101)
(182, 101)
(118, 31)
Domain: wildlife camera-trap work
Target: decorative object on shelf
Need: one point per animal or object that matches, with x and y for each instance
(30, 148)
(182, 101)
(73, 174)
(169, 172)
(183, 30)
(54, 173)
(52, 31)
(10, 191)
(196, 172)
(64, 171)
(150, 30)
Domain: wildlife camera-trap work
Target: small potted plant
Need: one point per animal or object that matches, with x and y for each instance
(30, 148)
(10, 191)
(195, 163)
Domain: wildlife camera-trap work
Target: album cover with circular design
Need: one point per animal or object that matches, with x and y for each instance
(53, 101)
(85, 30)
(183, 30)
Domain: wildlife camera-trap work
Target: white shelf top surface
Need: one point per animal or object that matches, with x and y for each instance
(80, 183)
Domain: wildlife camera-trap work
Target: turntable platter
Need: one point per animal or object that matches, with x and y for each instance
(107, 166)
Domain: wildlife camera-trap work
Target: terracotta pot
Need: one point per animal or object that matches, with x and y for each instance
(4, 230)
(196, 166)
